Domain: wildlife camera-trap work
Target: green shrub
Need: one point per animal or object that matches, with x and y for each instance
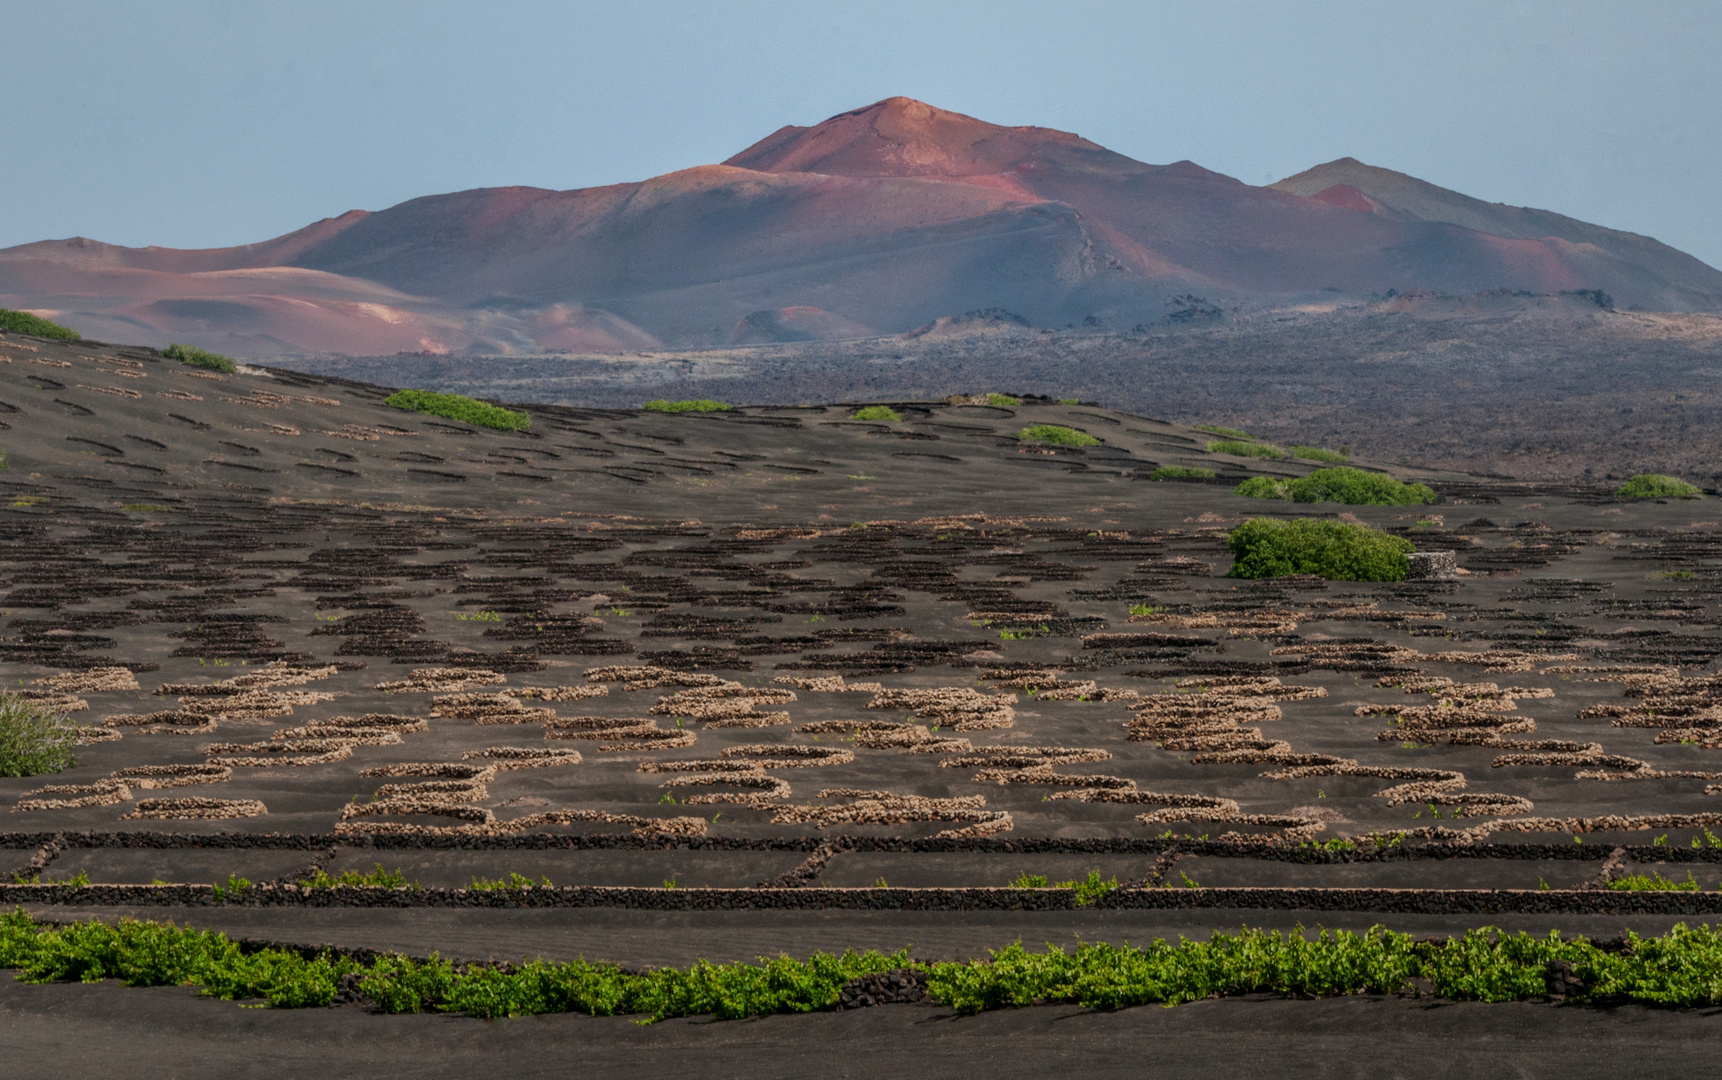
(1245, 449)
(232, 890)
(1264, 487)
(1358, 487)
(375, 878)
(1057, 435)
(399, 985)
(1090, 890)
(878, 412)
(22, 322)
(162, 954)
(1228, 432)
(1178, 472)
(1677, 969)
(1653, 882)
(201, 358)
(1657, 486)
(701, 405)
(286, 980)
(459, 407)
(1002, 399)
(1316, 453)
(1069, 401)
(1267, 547)
(1352, 487)
(34, 740)
(1487, 965)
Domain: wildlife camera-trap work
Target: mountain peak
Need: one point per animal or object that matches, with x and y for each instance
(901, 136)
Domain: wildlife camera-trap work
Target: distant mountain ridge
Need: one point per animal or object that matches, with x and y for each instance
(876, 221)
(1408, 198)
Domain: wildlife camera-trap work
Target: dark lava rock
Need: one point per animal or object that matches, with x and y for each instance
(1561, 979)
(900, 986)
(347, 990)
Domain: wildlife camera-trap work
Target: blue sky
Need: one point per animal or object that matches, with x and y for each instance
(193, 124)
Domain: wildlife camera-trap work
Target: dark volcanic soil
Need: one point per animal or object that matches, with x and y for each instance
(194, 529)
(1530, 387)
(46, 1031)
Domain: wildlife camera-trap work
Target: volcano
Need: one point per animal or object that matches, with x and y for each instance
(876, 221)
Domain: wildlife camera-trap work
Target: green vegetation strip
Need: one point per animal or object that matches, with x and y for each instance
(1682, 968)
(1057, 435)
(1228, 432)
(1657, 486)
(1269, 547)
(1319, 453)
(1351, 487)
(1179, 472)
(202, 358)
(700, 405)
(878, 412)
(1238, 448)
(34, 740)
(459, 407)
(22, 322)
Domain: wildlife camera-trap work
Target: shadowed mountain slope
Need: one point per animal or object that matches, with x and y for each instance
(882, 219)
(1351, 184)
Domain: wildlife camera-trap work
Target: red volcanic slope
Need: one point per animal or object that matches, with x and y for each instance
(875, 221)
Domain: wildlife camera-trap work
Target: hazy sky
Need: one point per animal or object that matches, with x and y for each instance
(193, 124)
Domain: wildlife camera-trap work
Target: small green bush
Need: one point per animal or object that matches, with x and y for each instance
(376, 878)
(233, 889)
(878, 412)
(34, 740)
(22, 322)
(202, 358)
(1069, 401)
(1264, 487)
(1245, 449)
(700, 405)
(1653, 882)
(1358, 487)
(1002, 399)
(1057, 435)
(1228, 432)
(1317, 453)
(1336, 550)
(1178, 472)
(1091, 890)
(1351, 487)
(1657, 486)
(459, 407)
